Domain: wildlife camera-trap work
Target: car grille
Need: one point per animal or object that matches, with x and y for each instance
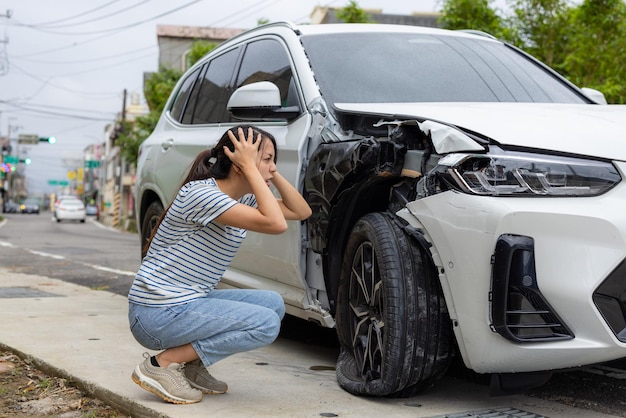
(519, 312)
(610, 299)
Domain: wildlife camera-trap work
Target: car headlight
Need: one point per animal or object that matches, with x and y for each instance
(528, 174)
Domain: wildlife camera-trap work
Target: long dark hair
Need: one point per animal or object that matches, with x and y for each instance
(214, 162)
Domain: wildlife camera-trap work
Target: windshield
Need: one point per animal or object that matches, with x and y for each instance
(400, 67)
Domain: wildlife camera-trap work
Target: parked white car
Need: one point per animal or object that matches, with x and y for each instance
(465, 197)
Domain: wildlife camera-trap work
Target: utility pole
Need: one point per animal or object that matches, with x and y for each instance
(4, 58)
(122, 163)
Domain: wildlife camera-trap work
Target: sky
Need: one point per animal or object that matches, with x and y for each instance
(64, 64)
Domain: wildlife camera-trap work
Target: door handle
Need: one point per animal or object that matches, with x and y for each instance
(167, 144)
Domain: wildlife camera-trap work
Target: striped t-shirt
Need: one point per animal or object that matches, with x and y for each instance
(190, 251)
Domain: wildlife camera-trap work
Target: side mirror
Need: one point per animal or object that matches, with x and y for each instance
(595, 95)
(259, 102)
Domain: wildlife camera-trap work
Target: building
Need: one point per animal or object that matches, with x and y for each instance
(175, 42)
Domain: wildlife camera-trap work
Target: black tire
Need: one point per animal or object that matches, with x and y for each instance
(392, 322)
(149, 221)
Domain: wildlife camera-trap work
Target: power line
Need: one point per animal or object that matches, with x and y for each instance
(117, 55)
(50, 83)
(36, 105)
(73, 45)
(128, 26)
(52, 22)
(95, 19)
(106, 117)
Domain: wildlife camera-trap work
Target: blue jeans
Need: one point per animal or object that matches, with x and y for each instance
(226, 322)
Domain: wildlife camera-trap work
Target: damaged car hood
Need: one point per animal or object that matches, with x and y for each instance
(592, 130)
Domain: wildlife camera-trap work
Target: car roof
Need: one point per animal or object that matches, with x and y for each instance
(341, 28)
(337, 28)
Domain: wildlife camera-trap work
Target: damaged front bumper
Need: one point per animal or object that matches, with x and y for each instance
(531, 283)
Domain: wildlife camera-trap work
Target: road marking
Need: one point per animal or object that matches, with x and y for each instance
(60, 257)
(110, 270)
(56, 257)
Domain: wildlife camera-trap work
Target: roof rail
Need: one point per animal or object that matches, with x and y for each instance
(478, 32)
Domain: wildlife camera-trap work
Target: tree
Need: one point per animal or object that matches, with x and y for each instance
(541, 25)
(158, 87)
(594, 54)
(471, 14)
(352, 13)
(198, 50)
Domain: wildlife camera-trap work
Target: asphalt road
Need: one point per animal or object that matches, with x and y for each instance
(87, 253)
(98, 257)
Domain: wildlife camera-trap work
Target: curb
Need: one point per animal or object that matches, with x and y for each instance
(122, 403)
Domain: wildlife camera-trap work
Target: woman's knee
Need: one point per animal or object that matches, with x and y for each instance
(277, 304)
(269, 330)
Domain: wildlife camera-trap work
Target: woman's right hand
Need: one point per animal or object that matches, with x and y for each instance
(246, 149)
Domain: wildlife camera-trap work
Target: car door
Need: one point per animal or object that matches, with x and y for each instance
(275, 261)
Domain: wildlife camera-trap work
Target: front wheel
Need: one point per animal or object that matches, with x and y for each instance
(392, 322)
(150, 219)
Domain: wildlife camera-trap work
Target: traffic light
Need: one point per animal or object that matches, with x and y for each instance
(25, 160)
(48, 139)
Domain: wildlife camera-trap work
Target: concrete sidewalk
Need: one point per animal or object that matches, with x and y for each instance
(82, 334)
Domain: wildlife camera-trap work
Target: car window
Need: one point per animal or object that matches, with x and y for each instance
(267, 60)
(181, 96)
(71, 202)
(392, 67)
(214, 90)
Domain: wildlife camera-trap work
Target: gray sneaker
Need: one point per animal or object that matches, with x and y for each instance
(168, 383)
(200, 378)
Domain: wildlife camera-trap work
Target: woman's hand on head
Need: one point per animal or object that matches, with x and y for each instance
(246, 149)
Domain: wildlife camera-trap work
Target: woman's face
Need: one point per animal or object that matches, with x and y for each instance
(266, 164)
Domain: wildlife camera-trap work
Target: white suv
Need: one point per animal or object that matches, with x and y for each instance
(465, 198)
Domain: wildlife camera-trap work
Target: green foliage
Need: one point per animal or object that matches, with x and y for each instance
(352, 13)
(198, 50)
(594, 54)
(158, 87)
(542, 25)
(471, 14)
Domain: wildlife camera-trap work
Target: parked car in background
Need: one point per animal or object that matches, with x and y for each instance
(70, 210)
(91, 209)
(466, 198)
(30, 206)
(10, 207)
